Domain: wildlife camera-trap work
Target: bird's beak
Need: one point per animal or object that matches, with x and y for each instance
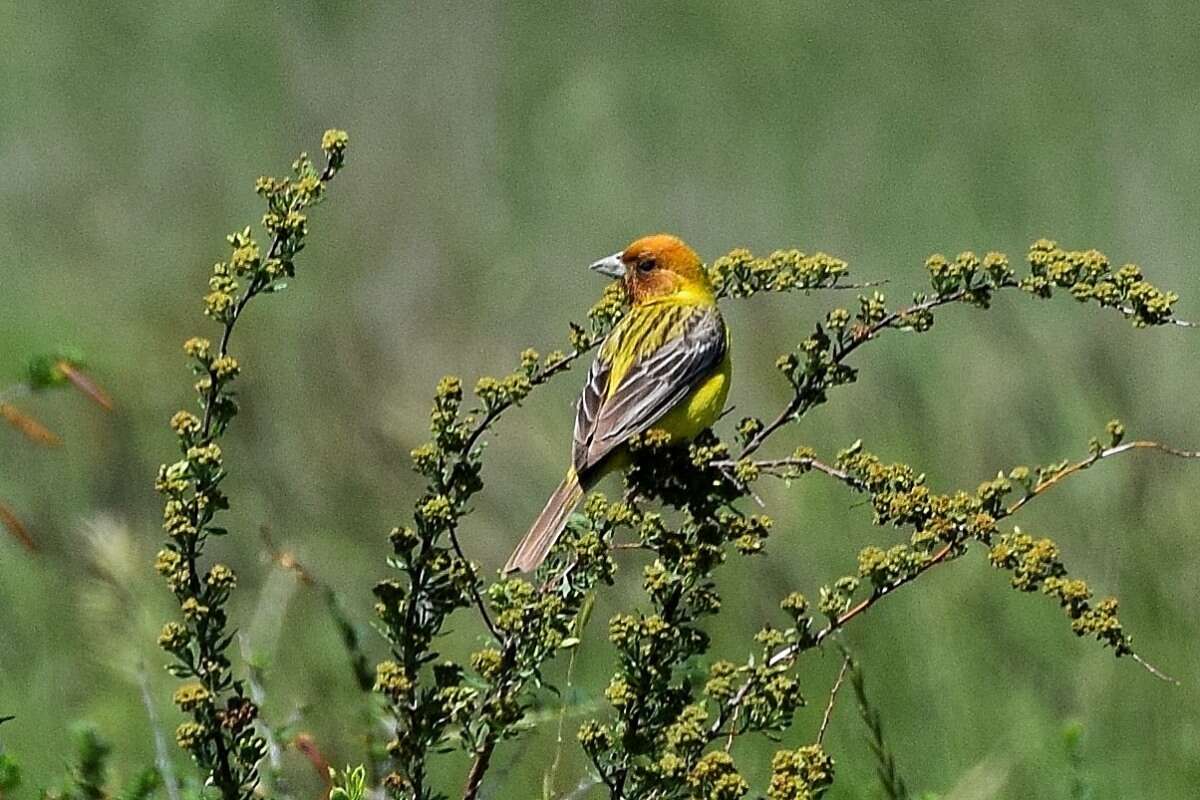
(612, 266)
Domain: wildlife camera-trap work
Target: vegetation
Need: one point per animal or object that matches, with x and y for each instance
(676, 709)
(452, 241)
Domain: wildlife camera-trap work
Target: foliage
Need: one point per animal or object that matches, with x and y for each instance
(890, 780)
(87, 774)
(676, 711)
(350, 784)
(221, 736)
(10, 774)
(659, 741)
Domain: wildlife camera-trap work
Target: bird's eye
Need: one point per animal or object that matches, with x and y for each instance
(646, 264)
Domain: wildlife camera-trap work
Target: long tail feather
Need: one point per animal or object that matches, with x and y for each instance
(532, 550)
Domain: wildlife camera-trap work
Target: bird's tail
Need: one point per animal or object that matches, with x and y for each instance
(532, 550)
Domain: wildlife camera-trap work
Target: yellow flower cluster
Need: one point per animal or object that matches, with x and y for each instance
(189, 696)
(391, 680)
(800, 774)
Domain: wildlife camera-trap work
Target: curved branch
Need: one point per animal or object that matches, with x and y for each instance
(543, 376)
(800, 403)
(794, 467)
(1045, 484)
(947, 552)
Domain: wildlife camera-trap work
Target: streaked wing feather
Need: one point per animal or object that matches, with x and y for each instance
(650, 389)
(589, 407)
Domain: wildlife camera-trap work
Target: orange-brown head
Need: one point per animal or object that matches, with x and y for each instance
(658, 266)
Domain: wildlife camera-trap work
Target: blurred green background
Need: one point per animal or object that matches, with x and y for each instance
(497, 150)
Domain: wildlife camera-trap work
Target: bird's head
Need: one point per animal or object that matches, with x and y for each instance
(657, 266)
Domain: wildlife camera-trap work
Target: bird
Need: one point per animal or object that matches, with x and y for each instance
(665, 364)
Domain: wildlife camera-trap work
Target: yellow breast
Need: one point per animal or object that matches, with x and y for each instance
(701, 408)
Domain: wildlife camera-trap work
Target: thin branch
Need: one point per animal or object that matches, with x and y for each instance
(254, 676)
(733, 728)
(12, 523)
(889, 774)
(1153, 670)
(790, 467)
(551, 777)
(796, 405)
(833, 693)
(838, 622)
(256, 285)
(479, 768)
(286, 560)
(728, 474)
(861, 285)
(225, 760)
(1182, 323)
(941, 555)
(475, 595)
(81, 381)
(544, 375)
(1048, 483)
(306, 744)
(481, 426)
(29, 426)
(723, 291)
(948, 552)
(583, 787)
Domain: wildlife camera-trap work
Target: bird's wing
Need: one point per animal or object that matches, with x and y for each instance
(588, 410)
(606, 417)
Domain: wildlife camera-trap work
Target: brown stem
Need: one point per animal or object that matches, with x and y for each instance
(29, 426)
(86, 385)
(12, 523)
(479, 768)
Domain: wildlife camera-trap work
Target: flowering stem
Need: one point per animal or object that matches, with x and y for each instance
(221, 735)
(952, 549)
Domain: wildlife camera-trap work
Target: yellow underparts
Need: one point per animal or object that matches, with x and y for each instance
(649, 325)
(694, 414)
(701, 408)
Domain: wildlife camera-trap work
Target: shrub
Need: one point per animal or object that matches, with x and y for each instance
(667, 732)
